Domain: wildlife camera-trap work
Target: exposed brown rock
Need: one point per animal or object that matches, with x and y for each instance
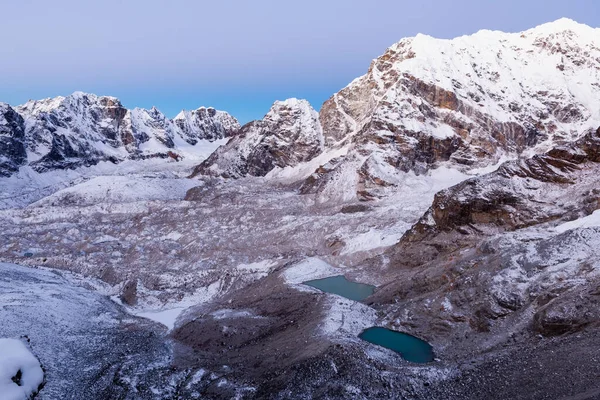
(129, 293)
(568, 313)
(253, 330)
(496, 200)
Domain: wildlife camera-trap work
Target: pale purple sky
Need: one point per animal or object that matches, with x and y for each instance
(239, 56)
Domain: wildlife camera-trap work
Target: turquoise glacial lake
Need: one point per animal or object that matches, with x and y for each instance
(341, 286)
(409, 347)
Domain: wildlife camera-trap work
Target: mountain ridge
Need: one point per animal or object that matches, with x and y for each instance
(83, 129)
(466, 103)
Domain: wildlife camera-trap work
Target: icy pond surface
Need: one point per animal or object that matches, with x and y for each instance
(341, 286)
(410, 348)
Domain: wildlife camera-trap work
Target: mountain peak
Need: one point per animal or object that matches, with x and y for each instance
(75, 99)
(291, 103)
(79, 94)
(206, 123)
(553, 27)
(304, 113)
(35, 107)
(564, 25)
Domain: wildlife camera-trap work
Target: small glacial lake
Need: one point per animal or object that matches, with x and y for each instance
(410, 348)
(341, 286)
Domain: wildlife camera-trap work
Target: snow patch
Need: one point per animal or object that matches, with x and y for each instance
(105, 239)
(174, 236)
(304, 170)
(259, 268)
(592, 220)
(169, 313)
(228, 313)
(370, 240)
(346, 318)
(20, 372)
(309, 269)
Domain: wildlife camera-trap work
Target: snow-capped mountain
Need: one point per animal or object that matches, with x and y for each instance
(289, 134)
(532, 86)
(83, 129)
(471, 102)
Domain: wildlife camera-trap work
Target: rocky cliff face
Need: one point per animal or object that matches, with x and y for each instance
(560, 184)
(288, 135)
(206, 124)
(84, 129)
(12, 140)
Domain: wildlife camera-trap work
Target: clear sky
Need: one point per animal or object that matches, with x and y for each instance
(235, 55)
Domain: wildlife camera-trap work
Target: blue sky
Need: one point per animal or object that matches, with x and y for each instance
(239, 55)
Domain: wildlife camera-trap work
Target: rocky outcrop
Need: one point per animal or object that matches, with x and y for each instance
(206, 124)
(520, 193)
(288, 135)
(495, 258)
(571, 312)
(12, 140)
(84, 129)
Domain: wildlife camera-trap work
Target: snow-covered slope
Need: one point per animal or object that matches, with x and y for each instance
(130, 180)
(119, 190)
(84, 129)
(289, 134)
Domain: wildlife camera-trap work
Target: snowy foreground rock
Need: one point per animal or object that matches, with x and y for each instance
(459, 177)
(84, 341)
(21, 375)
